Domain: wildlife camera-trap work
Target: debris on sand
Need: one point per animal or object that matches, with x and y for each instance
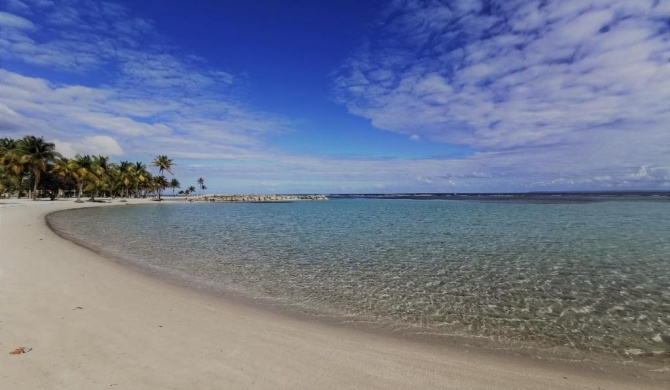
(20, 350)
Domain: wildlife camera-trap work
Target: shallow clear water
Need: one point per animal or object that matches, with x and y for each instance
(589, 277)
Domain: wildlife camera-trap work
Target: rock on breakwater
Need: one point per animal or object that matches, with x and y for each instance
(256, 198)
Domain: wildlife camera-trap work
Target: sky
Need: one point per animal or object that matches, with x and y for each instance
(350, 96)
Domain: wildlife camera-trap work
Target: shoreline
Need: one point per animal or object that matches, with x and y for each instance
(565, 357)
(139, 331)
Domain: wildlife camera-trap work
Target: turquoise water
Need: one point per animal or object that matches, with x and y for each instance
(590, 277)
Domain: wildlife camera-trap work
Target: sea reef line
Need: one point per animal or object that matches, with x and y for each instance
(256, 198)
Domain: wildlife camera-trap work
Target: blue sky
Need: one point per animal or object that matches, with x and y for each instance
(350, 96)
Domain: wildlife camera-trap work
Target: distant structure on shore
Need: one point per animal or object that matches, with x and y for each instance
(256, 198)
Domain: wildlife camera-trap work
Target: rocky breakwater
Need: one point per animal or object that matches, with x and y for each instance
(256, 198)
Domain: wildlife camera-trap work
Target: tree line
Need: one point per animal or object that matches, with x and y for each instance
(32, 165)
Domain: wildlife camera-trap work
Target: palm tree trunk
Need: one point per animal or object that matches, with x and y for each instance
(20, 184)
(81, 185)
(37, 182)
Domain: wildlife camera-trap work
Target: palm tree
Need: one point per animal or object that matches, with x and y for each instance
(191, 189)
(64, 168)
(163, 163)
(148, 185)
(6, 144)
(140, 176)
(201, 184)
(125, 176)
(34, 163)
(12, 170)
(113, 183)
(100, 168)
(174, 183)
(52, 183)
(81, 168)
(35, 153)
(5, 179)
(160, 183)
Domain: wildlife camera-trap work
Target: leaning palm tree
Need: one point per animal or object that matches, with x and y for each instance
(201, 184)
(163, 163)
(35, 153)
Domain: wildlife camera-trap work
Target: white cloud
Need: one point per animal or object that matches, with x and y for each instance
(95, 145)
(8, 20)
(151, 98)
(551, 95)
(9, 119)
(199, 127)
(581, 84)
(645, 177)
(82, 37)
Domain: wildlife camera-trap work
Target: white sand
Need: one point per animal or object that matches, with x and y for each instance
(94, 324)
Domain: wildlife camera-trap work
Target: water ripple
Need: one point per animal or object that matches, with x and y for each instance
(590, 277)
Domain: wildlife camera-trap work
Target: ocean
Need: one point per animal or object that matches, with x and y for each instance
(575, 280)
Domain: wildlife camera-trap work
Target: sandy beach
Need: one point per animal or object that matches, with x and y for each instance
(90, 323)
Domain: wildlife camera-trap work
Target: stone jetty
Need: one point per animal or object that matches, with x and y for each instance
(255, 198)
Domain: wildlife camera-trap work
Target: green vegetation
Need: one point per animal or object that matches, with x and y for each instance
(32, 166)
(174, 183)
(201, 184)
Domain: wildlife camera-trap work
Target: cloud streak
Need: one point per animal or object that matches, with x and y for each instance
(140, 92)
(582, 81)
